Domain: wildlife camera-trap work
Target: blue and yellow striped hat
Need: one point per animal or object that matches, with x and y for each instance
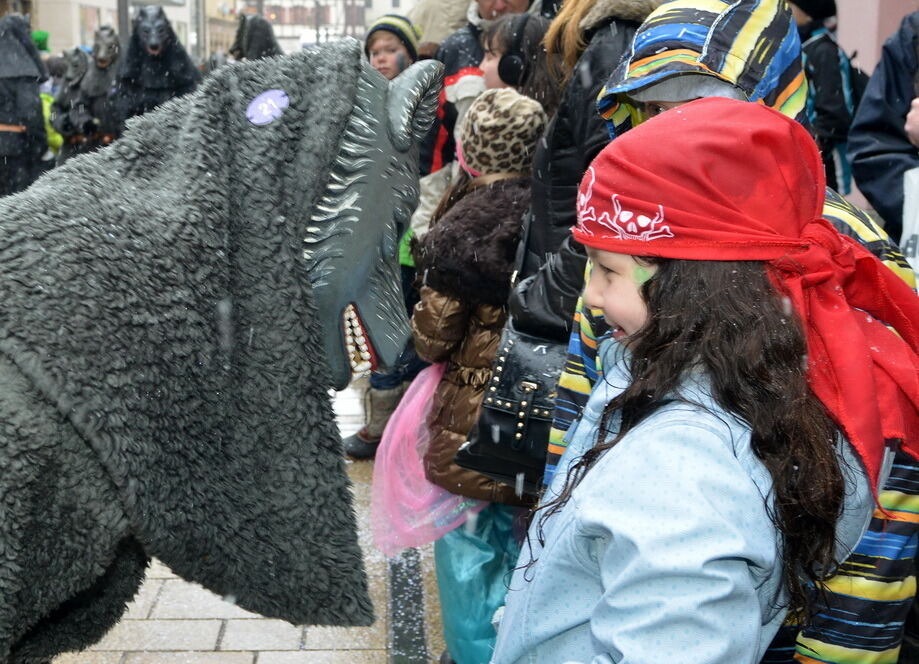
(401, 27)
(750, 44)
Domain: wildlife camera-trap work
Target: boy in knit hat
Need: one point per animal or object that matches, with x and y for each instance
(392, 44)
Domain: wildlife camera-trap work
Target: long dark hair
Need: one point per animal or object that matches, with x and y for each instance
(538, 83)
(726, 318)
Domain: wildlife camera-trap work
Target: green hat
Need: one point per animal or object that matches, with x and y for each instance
(40, 39)
(401, 27)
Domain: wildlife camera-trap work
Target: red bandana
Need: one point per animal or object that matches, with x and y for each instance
(718, 179)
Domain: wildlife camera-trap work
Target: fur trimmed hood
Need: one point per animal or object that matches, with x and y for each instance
(470, 252)
(625, 10)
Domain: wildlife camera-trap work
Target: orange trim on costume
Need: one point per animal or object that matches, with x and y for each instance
(790, 89)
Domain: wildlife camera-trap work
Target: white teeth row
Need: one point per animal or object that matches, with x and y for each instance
(356, 342)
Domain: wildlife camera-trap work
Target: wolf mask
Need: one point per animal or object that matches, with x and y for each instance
(166, 308)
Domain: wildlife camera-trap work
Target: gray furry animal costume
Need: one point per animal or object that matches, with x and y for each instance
(163, 383)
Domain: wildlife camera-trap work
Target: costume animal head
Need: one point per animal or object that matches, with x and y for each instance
(106, 47)
(153, 30)
(18, 55)
(77, 62)
(189, 370)
(351, 244)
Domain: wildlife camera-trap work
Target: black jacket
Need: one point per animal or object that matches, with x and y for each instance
(550, 282)
(87, 116)
(21, 70)
(459, 51)
(831, 115)
(829, 112)
(878, 147)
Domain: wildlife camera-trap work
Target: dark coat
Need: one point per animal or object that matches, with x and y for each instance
(254, 39)
(87, 115)
(879, 150)
(466, 260)
(162, 391)
(829, 112)
(831, 115)
(545, 298)
(145, 81)
(459, 51)
(21, 71)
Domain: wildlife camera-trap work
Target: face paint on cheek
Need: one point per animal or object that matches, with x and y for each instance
(640, 274)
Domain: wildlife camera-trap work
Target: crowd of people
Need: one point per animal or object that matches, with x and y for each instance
(655, 186)
(674, 523)
(54, 107)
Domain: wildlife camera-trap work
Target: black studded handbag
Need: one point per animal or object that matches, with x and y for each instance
(509, 441)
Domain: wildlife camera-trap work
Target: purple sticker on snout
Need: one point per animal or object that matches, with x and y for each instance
(267, 107)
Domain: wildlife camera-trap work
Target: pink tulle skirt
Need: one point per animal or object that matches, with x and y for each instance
(406, 509)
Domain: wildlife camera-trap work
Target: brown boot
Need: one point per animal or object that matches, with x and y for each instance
(379, 405)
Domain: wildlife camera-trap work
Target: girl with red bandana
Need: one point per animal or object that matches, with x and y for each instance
(763, 371)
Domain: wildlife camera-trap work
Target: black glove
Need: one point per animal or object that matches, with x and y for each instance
(90, 126)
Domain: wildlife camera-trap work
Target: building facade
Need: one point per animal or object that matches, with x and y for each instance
(72, 22)
(864, 25)
(297, 23)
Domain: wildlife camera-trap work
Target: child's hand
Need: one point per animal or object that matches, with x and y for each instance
(912, 123)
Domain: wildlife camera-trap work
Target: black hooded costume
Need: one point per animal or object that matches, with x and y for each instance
(254, 39)
(144, 80)
(163, 391)
(23, 140)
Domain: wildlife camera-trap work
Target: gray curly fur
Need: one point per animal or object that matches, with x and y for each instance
(162, 391)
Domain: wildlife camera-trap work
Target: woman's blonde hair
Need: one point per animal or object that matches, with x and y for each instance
(565, 38)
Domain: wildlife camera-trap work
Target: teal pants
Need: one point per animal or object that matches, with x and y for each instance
(473, 570)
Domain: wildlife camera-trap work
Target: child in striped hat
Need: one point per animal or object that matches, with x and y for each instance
(392, 44)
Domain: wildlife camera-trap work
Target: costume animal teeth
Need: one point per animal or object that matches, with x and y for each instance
(356, 343)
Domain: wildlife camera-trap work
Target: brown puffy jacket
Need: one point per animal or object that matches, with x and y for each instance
(466, 261)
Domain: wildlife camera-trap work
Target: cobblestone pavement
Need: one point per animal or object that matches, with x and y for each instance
(172, 621)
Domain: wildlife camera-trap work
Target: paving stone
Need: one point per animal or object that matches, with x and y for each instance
(161, 635)
(158, 570)
(379, 595)
(143, 601)
(181, 599)
(189, 658)
(88, 658)
(346, 638)
(324, 657)
(433, 627)
(261, 634)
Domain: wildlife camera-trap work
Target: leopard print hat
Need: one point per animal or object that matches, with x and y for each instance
(499, 133)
